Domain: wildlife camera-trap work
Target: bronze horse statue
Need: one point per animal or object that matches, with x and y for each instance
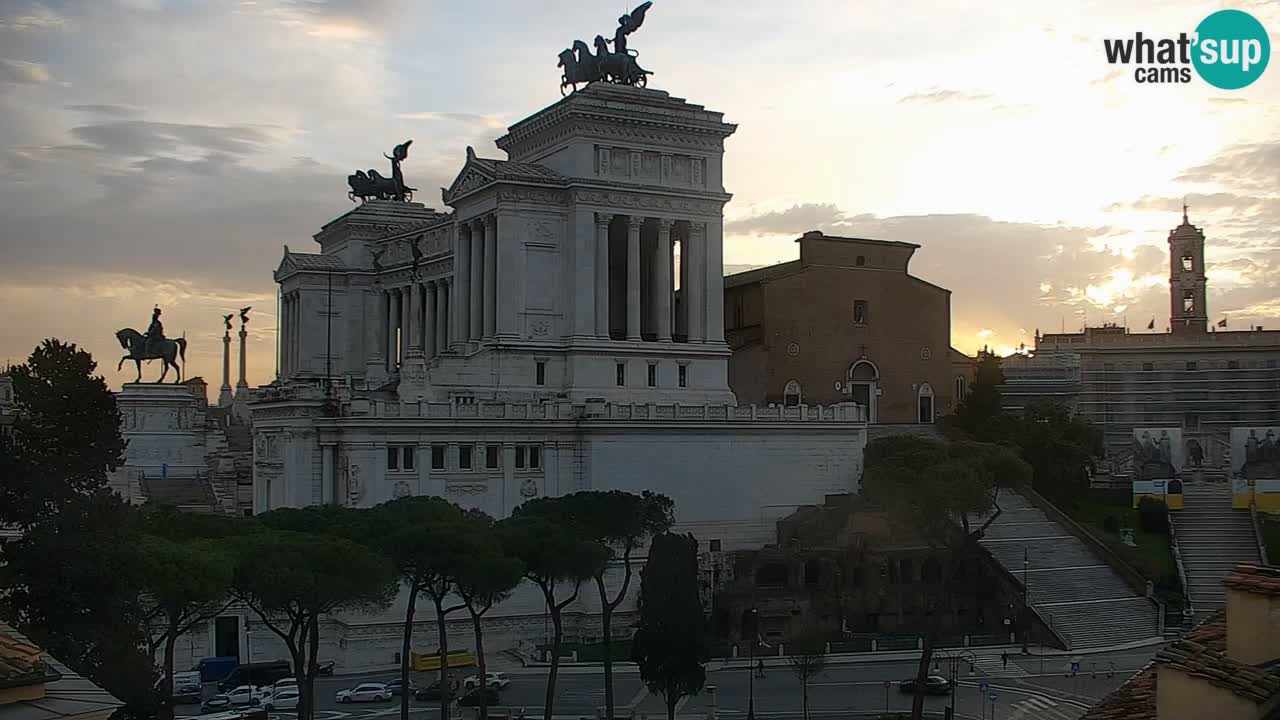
(168, 352)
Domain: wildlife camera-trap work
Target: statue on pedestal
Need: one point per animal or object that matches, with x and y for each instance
(373, 186)
(618, 66)
(152, 346)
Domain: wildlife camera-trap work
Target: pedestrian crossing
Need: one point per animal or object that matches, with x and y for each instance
(995, 667)
(1041, 708)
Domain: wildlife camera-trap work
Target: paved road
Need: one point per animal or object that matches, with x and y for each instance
(1027, 689)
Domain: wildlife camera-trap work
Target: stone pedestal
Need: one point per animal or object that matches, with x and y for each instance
(164, 425)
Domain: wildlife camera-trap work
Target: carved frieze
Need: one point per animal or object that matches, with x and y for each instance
(643, 201)
(543, 196)
(466, 488)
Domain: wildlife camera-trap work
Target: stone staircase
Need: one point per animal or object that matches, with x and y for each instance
(186, 494)
(1075, 591)
(1212, 539)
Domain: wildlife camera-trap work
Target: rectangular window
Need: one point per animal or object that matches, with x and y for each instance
(535, 457)
(621, 370)
(683, 375)
(464, 457)
(1233, 364)
(437, 457)
(393, 458)
(540, 373)
(406, 456)
(653, 375)
(1191, 364)
(1148, 367)
(519, 457)
(491, 456)
(860, 312)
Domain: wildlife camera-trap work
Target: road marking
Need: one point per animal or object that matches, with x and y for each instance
(639, 697)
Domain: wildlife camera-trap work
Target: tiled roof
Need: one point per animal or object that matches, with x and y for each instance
(314, 261)
(1203, 654)
(67, 696)
(1256, 579)
(519, 171)
(20, 661)
(1134, 700)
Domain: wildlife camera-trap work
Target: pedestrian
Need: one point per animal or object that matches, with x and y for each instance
(760, 668)
(1004, 660)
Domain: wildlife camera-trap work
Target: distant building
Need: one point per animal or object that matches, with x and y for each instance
(1202, 380)
(7, 404)
(845, 322)
(35, 686)
(1227, 668)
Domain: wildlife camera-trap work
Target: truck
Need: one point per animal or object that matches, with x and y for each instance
(257, 674)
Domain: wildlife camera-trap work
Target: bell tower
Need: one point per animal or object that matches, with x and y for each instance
(1187, 311)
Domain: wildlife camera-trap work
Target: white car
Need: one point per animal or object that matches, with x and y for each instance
(284, 684)
(364, 692)
(286, 698)
(245, 695)
(492, 679)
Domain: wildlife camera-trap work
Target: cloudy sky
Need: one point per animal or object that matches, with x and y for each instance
(157, 151)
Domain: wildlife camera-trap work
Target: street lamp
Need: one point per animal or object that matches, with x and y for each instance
(751, 665)
(1026, 620)
(953, 658)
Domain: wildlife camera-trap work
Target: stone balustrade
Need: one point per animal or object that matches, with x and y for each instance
(603, 412)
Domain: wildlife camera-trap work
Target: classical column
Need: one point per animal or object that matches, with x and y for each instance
(714, 254)
(475, 323)
(444, 327)
(393, 316)
(602, 275)
(242, 387)
(695, 296)
(429, 344)
(224, 393)
(462, 285)
(406, 321)
(328, 474)
(490, 275)
(633, 277)
(662, 280)
(414, 329)
(373, 327)
(290, 326)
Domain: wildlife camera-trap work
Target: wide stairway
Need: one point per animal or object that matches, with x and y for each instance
(1213, 538)
(1075, 591)
(187, 494)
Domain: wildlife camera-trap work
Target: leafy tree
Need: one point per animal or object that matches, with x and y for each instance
(65, 440)
(808, 659)
(489, 576)
(555, 553)
(72, 584)
(980, 414)
(291, 579)
(184, 584)
(621, 522)
(670, 645)
(1061, 448)
(425, 539)
(948, 493)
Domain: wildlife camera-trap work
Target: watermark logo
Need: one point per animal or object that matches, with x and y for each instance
(1229, 50)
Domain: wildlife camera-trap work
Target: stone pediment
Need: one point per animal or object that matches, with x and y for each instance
(480, 172)
(293, 262)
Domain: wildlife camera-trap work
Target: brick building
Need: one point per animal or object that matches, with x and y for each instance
(846, 322)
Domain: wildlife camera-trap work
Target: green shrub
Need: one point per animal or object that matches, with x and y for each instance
(1153, 516)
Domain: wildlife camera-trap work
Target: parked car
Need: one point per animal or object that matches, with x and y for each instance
(245, 695)
(472, 698)
(432, 692)
(933, 685)
(217, 703)
(260, 674)
(364, 692)
(492, 679)
(325, 667)
(394, 686)
(286, 698)
(279, 685)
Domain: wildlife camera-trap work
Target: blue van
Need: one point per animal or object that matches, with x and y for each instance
(213, 669)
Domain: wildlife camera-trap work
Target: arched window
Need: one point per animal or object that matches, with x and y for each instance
(925, 401)
(960, 388)
(1188, 263)
(864, 381)
(791, 394)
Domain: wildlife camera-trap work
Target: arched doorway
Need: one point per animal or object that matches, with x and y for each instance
(924, 403)
(791, 395)
(864, 384)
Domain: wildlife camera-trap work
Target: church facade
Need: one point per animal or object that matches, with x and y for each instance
(527, 343)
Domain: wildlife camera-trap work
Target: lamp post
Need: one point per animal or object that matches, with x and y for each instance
(1026, 620)
(751, 666)
(953, 664)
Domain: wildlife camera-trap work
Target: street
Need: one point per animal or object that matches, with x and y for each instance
(1028, 689)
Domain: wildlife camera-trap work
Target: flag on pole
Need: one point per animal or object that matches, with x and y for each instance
(1222, 322)
(1151, 325)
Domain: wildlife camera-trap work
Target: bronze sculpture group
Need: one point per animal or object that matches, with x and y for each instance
(618, 66)
(152, 345)
(373, 186)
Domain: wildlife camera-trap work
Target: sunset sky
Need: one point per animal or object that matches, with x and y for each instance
(163, 152)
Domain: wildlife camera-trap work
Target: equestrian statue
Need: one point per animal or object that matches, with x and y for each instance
(153, 346)
(617, 66)
(373, 186)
